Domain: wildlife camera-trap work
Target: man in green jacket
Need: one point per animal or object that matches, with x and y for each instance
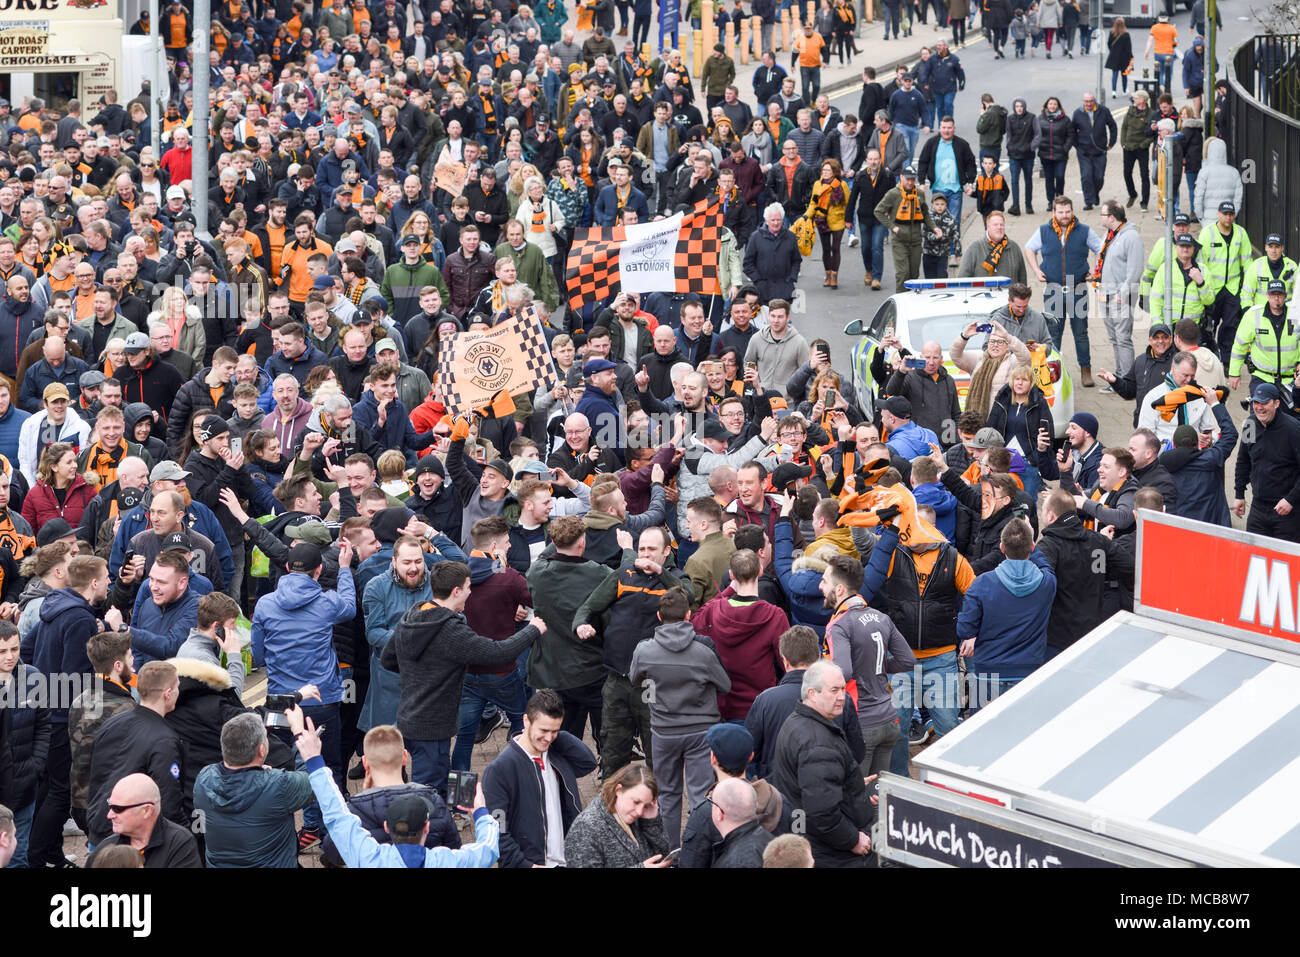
(560, 580)
(531, 266)
(719, 72)
(404, 280)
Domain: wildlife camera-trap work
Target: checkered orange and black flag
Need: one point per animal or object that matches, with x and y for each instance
(591, 272)
(699, 247)
(474, 368)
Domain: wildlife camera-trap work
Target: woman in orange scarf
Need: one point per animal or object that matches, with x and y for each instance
(830, 199)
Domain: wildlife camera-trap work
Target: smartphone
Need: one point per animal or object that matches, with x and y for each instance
(984, 327)
(128, 557)
(236, 445)
(911, 362)
(830, 399)
(752, 365)
(672, 855)
(461, 786)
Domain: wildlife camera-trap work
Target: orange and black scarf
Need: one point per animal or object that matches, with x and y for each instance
(1101, 256)
(990, 263)
(104, 462)
(1063, 234)
(909, 206)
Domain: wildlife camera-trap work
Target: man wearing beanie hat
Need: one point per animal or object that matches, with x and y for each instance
(1196, 467)
(1081, 453)
(214, 467)
(719, 72)
(433, 499)
(731, 748)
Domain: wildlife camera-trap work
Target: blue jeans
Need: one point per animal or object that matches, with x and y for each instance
(430, 762)
(1165, 69)
(938, 692)
(1033, 481)
(910, 135)
(988, 687)
(1021, 167)
(928, 115)
(1191, 183)
(891, 21)
(23, 824)
(504, 691)
(1061, 303)
(873, 246)
(812, 82)
(943, 105)
(327, 715)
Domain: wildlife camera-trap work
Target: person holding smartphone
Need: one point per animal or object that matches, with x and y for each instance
(930, 389)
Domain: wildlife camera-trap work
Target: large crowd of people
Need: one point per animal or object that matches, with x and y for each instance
(699, 566)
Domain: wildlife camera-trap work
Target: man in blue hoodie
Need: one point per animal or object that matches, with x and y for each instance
(1004, 615)
(56, 647)
(906, 438)
(293, 635)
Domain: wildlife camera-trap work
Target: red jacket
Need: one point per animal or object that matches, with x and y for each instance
(746, 633)
(40, 505)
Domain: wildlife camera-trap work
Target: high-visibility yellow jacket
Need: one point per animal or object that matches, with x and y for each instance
(1254, 287)
(1273, 354)
(1224, 258)
(1190, 300)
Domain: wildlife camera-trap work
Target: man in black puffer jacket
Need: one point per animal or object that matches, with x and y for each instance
(25, 738)
(385, 757)
(430, 649)
(815, 770)
(515, 785)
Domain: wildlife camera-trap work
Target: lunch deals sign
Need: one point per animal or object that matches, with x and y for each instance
(1217, 576)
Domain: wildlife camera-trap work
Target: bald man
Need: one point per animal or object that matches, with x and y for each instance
(932, 392)
(134, 807)
(734, 812)
(580, 456)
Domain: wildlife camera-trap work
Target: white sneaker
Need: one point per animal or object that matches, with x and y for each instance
(853, 240)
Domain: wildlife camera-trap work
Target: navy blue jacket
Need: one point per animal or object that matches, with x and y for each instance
(57, 645)
(397, 432)
(512, 786)
(298, 368)
(773, 706)
(1010, 630)
(371, 809)
(1198, 475)
(158, 633)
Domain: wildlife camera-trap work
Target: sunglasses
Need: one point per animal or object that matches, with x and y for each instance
(123, 808)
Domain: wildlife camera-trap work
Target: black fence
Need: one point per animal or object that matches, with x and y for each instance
(1262, 130)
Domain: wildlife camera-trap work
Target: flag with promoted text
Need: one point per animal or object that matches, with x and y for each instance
(679, 253)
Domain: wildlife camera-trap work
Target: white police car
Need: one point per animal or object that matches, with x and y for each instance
(938, 310)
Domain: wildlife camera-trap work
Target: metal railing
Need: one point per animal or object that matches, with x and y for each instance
(1262, 130)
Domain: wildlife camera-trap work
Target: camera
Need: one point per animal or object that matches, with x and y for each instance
(461, 787)
(277, 705)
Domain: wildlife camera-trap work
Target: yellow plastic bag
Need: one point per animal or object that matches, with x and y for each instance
(804, 232)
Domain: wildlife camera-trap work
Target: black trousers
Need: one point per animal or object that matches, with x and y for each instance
(580, 703)
(1262, 520)
(54, 801)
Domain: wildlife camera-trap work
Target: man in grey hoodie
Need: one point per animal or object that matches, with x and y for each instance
(683, 675)
(779, 350)
(214, 633)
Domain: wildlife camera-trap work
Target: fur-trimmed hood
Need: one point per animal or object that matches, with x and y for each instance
(814, 560)
(203, 672)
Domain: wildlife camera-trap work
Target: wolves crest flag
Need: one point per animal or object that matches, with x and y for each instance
(474, 368)
(679, 253)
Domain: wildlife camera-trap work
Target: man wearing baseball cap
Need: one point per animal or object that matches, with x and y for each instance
(56, 421)
(1270, 464)
(1147, 369)
(1156, 261)
(1272, 265)
(215, 469)
(1224, 253)
(906, 438)
(1267, 342)
(293, 635)
(147, 378)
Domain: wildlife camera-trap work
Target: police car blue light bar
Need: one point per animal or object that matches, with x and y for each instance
(923, 285)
